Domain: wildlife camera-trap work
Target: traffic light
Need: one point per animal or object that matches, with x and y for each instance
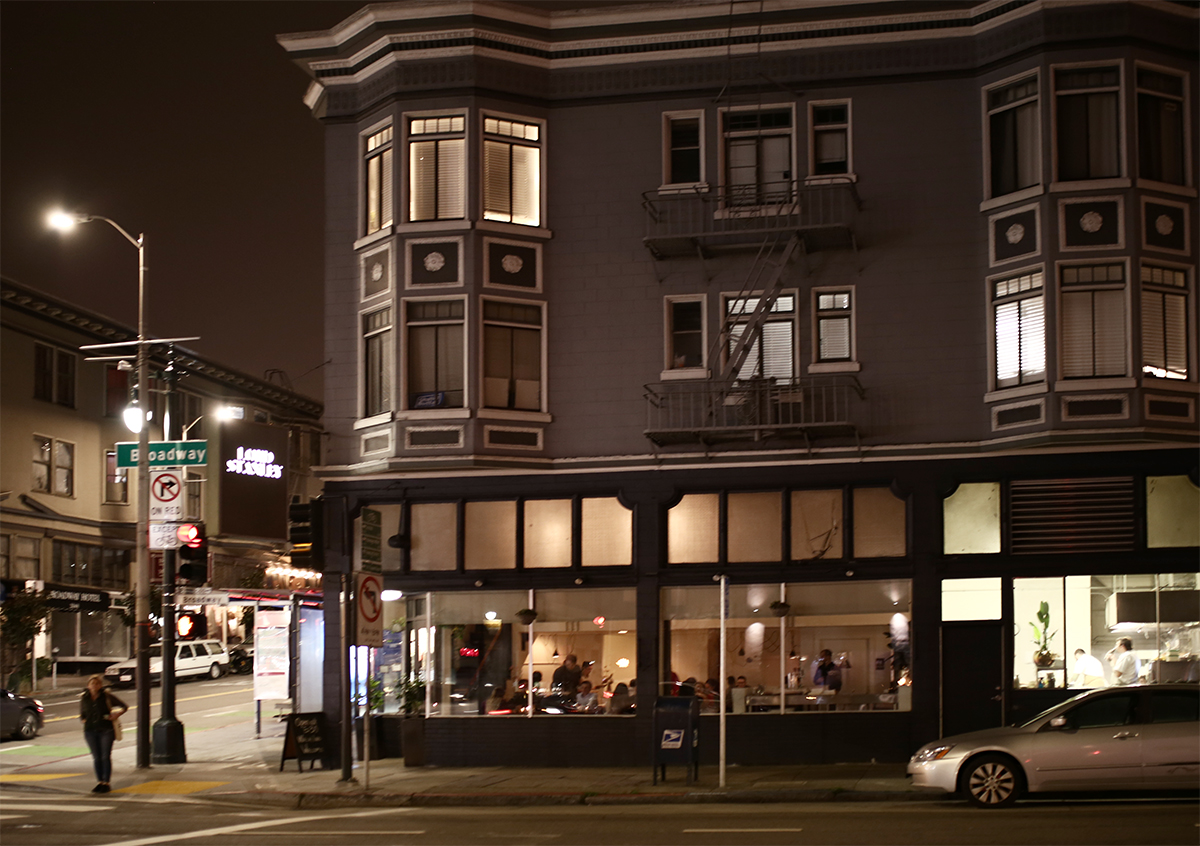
(305, 529)
(193, 553)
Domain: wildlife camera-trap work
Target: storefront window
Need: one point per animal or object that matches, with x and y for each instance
(1172, 503)
(864, 626)
(478, 659)
(692, 529)
(1084, 619)
(971, 519)
(879, 524)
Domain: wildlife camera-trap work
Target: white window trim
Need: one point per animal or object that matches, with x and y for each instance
(487, 430)
(683, 187)
(986, 129)
(409, 285)
(402, 221)
(362, 273)
(1077, 201)
(543, 399)
(1188, 176)
(1188, 401)
(543, 145)
(726, 296)
(402, 405)
(361, 191)
(1061, 383)
(1120, 181)
(995, 392)
(811, 177)
(747, 211)
(361, 399)
(104, 500)
(375, 420)
(489, 282)
(852, 364)
(389, 436)
(1187, 226)
(409, 445)
(670, 373)
(1001, 427)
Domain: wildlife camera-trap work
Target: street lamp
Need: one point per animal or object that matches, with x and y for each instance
(65, 222)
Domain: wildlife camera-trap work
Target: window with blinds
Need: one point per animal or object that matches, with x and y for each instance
(835, 325)
(758, 157)
(512, 171)
(377, 169)
(1164, 322)
(437, 155)
(1093, 336)
(512, 355)
(773, 354)
(1019, 325)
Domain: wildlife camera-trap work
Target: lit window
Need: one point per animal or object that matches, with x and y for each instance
(1093, 321)
(378, 172)
(1164, 322)
(835, 325)
(512, 171)
(1018, 307)
(437, 149)
(772, 354)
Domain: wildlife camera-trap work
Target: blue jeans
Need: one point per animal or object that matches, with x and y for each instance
(101, 743)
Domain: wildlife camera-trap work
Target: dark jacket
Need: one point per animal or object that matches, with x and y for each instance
(94, 712)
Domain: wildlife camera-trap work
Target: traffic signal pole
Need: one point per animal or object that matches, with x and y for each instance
(168, 746)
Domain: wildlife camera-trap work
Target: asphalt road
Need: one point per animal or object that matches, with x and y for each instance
(127, 821)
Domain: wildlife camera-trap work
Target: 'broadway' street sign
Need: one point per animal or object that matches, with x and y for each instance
(164, 453)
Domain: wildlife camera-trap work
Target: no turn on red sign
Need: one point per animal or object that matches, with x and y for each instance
(166, 496)
(368, 609)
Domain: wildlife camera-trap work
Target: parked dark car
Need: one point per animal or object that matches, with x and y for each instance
(20, 716)
(1140, 737)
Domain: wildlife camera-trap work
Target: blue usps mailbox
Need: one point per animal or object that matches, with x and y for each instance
(677, 735)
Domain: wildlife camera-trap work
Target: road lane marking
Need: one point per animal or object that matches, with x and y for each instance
(737, 830)
(57, 807)
(233, 829)
(342, 832)
(133, 707)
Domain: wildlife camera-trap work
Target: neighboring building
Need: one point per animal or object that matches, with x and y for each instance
(68, 516)
(885, 310)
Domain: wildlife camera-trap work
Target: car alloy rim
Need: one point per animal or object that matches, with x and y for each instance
(991, 783)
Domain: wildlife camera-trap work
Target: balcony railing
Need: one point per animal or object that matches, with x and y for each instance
(679, 223)
(711, 411)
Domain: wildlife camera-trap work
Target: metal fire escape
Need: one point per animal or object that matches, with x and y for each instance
(736, 405)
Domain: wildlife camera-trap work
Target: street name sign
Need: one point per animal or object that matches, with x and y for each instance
(164, 453)
(201, 596)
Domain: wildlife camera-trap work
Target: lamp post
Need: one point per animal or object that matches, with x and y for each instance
(66, 221)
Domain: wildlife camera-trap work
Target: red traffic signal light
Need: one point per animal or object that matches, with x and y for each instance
(190, 534)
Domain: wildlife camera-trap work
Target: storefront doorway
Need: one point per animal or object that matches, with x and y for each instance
(973, 679)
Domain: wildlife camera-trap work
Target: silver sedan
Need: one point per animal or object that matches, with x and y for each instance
(1121, 738)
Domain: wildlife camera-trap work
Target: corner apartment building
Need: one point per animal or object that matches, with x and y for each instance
(883, 313)
(68, 513)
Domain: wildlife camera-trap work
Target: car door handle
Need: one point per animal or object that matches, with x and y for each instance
(1125, 735)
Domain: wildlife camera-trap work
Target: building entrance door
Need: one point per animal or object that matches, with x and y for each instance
(973, 684)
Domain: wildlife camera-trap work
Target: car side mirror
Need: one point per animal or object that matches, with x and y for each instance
(1058, 722)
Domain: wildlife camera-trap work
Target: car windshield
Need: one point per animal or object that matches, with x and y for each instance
(155, 651)
(1045, 713)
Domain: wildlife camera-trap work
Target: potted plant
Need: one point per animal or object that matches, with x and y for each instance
(1043, 657)
(412, 728)
(780, 608)
(373, 704)
(526, 616)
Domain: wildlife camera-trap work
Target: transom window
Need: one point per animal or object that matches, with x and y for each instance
(1093, 321)
(378, 172)
(437, 153)
(1019, 316)
(1013, 136)
(1164, 322)
(1088, 122)
(512, 171)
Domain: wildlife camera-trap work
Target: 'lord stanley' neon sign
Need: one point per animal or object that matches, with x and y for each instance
(254, 462)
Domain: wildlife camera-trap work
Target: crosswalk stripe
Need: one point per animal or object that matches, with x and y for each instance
(56, 807)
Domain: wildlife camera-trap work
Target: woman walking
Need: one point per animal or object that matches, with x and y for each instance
(98, 710)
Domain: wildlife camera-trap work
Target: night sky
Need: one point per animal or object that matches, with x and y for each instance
(183, 120)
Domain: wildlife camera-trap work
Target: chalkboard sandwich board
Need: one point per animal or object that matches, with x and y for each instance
(305, 739)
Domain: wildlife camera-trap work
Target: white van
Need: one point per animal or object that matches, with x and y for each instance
(193, 659)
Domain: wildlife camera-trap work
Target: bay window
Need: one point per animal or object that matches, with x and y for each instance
(1165, 335)
(435, 353)
(512, 171)
(1019, 327)
(437, 150)
(1093, 321)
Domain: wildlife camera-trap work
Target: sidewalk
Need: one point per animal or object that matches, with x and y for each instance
(229, 764)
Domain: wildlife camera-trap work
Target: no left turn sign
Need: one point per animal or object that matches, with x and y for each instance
(369, 596)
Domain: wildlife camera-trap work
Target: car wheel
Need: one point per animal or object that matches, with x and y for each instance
(214, 672)
(992, 781)
(27, 727)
